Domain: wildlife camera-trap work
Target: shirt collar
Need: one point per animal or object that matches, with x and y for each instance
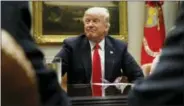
(101, 44)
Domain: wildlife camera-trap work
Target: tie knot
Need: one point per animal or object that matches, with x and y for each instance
(97, 46)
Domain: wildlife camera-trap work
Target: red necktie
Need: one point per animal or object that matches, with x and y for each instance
(96, 72)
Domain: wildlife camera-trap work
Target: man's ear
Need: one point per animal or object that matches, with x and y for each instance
(107, 28)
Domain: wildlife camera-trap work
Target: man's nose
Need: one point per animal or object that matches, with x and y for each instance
(90, 23)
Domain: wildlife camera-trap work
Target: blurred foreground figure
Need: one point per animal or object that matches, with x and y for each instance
(16, 21)
(165, 86)
(18, 85)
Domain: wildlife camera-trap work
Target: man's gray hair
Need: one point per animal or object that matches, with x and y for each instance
(100, 11)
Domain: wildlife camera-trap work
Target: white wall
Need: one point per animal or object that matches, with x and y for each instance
(170, 10)
(50, 50)
(135, 27)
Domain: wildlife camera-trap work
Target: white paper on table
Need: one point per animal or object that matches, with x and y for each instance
(120, 86)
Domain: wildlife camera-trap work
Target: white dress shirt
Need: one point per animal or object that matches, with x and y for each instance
(101, 52)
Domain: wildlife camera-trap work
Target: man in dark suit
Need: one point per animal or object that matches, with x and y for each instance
(165, 86)
(16, 20)
(78, 53)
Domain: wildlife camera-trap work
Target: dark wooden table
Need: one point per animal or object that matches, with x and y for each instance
(80, 95)
(100, 101)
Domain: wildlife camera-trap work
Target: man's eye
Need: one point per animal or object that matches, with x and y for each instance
(95, 21)
(87, 20)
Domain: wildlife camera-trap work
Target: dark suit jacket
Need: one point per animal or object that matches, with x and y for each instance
(76, 60)
(166, 85)
(17, 21)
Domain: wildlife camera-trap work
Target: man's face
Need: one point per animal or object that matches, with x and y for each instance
(95, 27)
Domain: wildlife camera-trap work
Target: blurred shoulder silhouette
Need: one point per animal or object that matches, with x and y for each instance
(16, 20)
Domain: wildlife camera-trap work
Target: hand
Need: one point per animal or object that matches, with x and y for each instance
(122, 79)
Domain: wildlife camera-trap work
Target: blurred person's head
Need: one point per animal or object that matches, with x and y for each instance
(96, 23)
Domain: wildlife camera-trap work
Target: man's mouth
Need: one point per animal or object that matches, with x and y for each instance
(91, 31)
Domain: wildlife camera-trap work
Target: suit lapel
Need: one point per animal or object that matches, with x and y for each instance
(109, 58)
(86, 59)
